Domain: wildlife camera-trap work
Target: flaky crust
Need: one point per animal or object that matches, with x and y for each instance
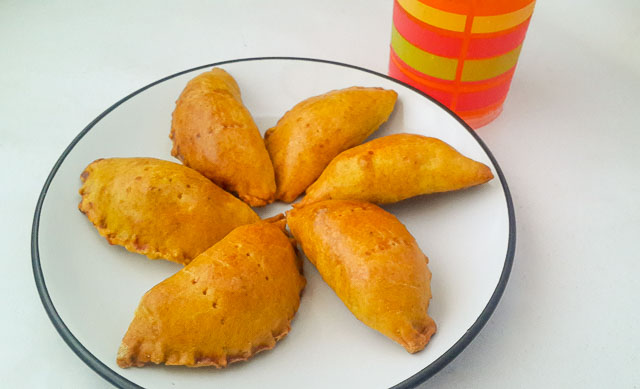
(372, 263)
(231, 302)
(158, 208)
(314, 131)
(214, 133)
(394, 168)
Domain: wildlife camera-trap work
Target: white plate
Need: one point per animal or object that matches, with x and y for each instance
(91, 289)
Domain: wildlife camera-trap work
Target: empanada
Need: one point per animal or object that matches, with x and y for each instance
(372, 263)
(231, 302)
(394, 168)
(214, 133)
(158, 208)
(314, 131)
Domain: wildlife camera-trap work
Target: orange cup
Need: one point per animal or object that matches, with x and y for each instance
(463, 53)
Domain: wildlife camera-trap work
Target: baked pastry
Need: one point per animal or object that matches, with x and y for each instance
(314, 131)
(372, 263)
(158, 208)
(394, 168)
(214, 133)
(231, 302)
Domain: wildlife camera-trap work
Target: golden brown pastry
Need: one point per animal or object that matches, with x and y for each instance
(394, 168)
(372, 263)
(158, 208)
(231, 302)
(214, 133)
(307, 137)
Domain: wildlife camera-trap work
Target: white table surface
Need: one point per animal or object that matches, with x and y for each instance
(567, 142)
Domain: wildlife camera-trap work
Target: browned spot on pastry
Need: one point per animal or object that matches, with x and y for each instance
(139, 246)
(207, 361)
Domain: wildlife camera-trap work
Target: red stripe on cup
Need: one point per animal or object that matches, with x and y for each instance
(483, 98)
(481, 46)
(425, 36)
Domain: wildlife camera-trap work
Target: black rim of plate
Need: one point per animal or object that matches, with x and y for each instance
(411, 382)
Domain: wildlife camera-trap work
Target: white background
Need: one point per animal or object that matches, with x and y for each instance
(567, 142)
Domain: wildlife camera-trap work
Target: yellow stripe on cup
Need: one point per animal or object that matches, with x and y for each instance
(487, 24)
(427, 63)
(433, 16)
(483, 69)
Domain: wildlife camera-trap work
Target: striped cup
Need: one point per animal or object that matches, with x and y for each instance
(461, 52)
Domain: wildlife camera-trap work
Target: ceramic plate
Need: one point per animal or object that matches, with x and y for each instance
(91, 289)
